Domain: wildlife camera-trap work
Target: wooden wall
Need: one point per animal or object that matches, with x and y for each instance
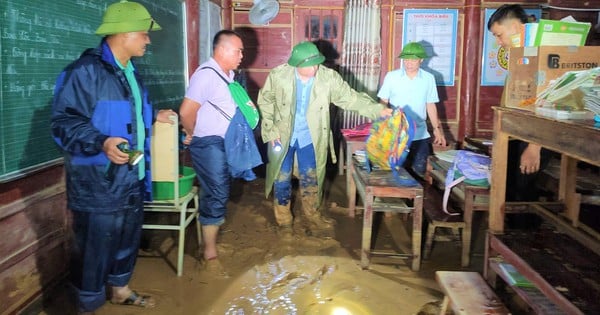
(33, 230)
(465, 108)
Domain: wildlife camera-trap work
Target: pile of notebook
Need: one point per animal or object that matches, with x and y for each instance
(574, 95)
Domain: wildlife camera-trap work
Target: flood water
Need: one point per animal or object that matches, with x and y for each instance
(310, 274)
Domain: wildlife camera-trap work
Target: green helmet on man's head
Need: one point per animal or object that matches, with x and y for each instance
(413, 50)
(305, 54)
(125, 17)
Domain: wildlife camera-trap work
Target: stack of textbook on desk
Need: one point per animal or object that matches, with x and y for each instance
(566, 97)
(566, 32)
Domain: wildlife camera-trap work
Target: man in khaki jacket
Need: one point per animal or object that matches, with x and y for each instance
(294, 106)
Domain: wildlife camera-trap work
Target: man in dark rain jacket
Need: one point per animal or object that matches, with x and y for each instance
(99, 105)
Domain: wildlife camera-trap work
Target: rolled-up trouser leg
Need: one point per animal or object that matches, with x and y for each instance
(210, 164)
(104, 252)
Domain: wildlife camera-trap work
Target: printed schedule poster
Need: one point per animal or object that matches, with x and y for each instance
(495, 58)
(436, 30)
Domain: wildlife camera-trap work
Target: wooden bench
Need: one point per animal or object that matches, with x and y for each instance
(467, 293)
(436, 217)
(469, 198)
(377, 189)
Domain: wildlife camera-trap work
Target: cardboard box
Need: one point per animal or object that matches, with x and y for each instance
(530, 69)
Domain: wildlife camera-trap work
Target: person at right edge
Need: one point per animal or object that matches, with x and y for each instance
(294, 106)
(525, 160)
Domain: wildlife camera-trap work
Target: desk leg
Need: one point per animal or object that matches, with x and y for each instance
(367, 230)
(417, 237)
(566, 188)
(351, 190)
(498, 184)
(341, 159)
(350, 185)
(468, 229)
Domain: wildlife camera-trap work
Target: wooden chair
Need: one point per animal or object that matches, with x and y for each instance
(167, 181)
(437, 218)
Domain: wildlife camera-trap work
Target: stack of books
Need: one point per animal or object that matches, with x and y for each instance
(566, 32)
(591, 98)
(513, 277)
(574, 95)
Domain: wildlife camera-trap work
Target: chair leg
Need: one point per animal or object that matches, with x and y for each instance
(181, 244)
(429, 240)
(444, 306)
(198, 225)
(466, 246)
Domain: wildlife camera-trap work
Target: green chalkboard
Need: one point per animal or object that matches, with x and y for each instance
(38, 38)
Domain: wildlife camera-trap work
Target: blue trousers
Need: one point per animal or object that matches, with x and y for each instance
(307, 167)
(417, 157)
(104, 251)
(210, 163)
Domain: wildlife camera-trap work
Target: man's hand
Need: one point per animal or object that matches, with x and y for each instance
(188, 138)
(438, 137)
(530, 159)
(112, 152)
(164, 115)
(386, 112)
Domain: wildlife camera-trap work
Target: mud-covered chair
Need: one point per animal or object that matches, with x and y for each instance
(173, 188)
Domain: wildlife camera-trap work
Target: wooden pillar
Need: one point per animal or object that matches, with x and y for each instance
(470, 68)
(193, 34)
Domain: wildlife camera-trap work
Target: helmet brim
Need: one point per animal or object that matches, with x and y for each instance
(410, 56)
(307, 62)
(145, 25)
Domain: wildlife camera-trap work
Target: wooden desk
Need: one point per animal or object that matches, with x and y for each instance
(348, 146)
(574, 140)
(374, 186)
(469, 198)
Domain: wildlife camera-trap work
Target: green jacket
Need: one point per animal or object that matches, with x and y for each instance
(277, 105)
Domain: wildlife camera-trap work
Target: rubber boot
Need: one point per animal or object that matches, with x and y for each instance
(284, 219)
(283, 214)
(314, 219)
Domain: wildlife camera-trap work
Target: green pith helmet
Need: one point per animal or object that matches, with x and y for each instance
(305, 54)
(413, 51)
(124, 17)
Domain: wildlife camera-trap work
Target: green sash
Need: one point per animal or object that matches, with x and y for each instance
(242, 100)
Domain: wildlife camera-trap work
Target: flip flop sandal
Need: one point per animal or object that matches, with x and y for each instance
(134, 299)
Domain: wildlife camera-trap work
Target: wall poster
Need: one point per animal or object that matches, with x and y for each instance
(436, 30)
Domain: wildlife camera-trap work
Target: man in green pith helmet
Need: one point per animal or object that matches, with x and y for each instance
(294, 107)
(99, 104)
(414, 90)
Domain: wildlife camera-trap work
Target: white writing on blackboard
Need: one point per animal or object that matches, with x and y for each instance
(63, 24)
(26, 90)
(37, 54)
(100, 7)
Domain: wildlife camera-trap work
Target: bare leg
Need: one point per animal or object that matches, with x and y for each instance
(209, 236)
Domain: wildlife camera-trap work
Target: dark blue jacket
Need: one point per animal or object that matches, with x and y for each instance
(93, 101)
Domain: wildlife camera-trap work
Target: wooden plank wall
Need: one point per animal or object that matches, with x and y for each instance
(33, 230)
